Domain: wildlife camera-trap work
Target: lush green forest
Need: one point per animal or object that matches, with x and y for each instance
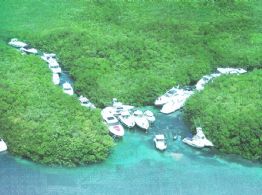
(39, 122)
(136, 50)
(132, 50)
(230, 111)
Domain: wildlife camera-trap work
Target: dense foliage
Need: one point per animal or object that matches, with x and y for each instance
(39, 122)
(136, 50)
(230, 111)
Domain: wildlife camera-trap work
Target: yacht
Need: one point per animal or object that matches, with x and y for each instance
(68, 89)
(231, 70)
(177, 102)
(160, 142)
(149, 116)
(120, 107)
(166, 97)
(86, 102)
(55, 67)
(15, 43)
(199, 140)
(127, 119)
(140, 120)
(3, 146)
(114, 127)
(29, 50)
(56, 79)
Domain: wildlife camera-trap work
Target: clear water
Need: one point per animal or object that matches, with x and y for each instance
(135, 167)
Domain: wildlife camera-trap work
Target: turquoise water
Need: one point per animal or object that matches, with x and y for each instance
(135, 167)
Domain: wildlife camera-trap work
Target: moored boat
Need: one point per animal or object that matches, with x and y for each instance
(160, 142)
(140, 120)
(199, 140)
(15, 43)
(114, 127)
(3, 146)
(56, 79)
(127, 119)
(150, 116)
(86, 102)
(68, 89)
(28, 50)
(166, 97)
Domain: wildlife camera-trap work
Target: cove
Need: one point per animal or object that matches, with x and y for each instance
(136, 167)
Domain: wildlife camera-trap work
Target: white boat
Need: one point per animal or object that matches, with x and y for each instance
(3, 146)
(86, 102)
(166, 97)
(120, 107)
(114, 127)
(15, 43)
(150, 116)
(48, 57)
(202, 82)
(56, 79)
(231, 70)
(199, 140)
(55, 67)
(127, 119)
(68, 89)
(160, 142)
(29, 50)
(140, 120)
(177, 102)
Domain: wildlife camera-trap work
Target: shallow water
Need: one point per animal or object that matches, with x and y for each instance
(135, 167)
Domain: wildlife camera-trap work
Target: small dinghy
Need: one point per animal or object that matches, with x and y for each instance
(3, 146)
(114, 127)
(150, 116)
(56, 79)
(68, 89)
(86, 102)
(166, 97)
(15, 43)
(140, 120)
(160, 142)
(28, 50)
(127, 119)
(199, 140)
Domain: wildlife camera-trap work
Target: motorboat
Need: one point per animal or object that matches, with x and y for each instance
(3, 146)
(86, 102)
(55, 67)
(28, 49)
(199, 140)
(15, 43)
(149, 116)
(127, 119)
(166, 97)
(177, 102)
(160, 142)
(114, 127)
(56, 79)
(68, 89)
(140, 120)
(231, 70)
(202, 82)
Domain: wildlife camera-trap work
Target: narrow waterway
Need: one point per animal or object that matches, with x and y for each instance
(135, 167)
